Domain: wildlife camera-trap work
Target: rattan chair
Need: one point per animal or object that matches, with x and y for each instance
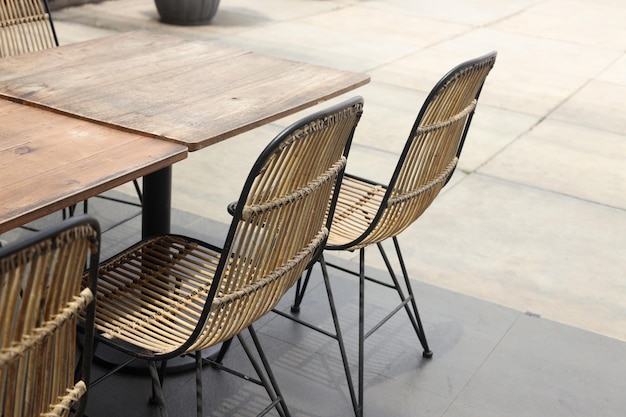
(173, 295)
(41, 299)
(25, 26)
(369, 213)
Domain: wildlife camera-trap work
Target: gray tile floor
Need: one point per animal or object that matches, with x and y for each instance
(489, 360)
(519, 265)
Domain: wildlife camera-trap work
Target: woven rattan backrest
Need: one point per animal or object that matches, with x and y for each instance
(281, 222)
(432, 149)
(40, 300)
(25, 26)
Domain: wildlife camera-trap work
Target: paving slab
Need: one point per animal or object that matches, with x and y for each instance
(566, 158)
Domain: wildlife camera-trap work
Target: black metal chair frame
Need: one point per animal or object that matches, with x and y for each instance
(407, 300)
(350, 109)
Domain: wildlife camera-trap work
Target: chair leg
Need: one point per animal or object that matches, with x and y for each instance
(415, 319)
(301, 286)
(266, 376)
(198, 357)
(356, 403)
(300, 291)
(138, 191)
(154, 400)
(416, 322)
(361, 328)
(157, 390)
(413, 314)
(219, 356)
(411, 311)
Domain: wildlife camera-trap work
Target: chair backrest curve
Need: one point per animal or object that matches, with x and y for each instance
(432, 149)
(281, 221)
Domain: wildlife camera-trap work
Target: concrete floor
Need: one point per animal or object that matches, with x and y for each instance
(519, 264)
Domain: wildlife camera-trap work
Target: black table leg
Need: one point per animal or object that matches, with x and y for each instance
(157, 203)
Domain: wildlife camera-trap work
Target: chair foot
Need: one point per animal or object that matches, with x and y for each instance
(427, 354)
(295, 309)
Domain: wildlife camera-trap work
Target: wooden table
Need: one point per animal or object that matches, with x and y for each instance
(188, 92)
(50, 161)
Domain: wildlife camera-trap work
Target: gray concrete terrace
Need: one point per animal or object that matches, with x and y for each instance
(520, 262)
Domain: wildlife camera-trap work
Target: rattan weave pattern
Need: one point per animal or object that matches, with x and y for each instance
(40, 302)
(25, 26)
(172, 295)
(369, 213)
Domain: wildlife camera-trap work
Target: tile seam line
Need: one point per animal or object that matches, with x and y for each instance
(484, 25)
(560, 104)
(482, 364)
(539, 121)
(422, 48)
(470, 28)
(546, 190)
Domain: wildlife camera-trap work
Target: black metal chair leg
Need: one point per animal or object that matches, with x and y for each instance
(266, 376)
(157, 390)
(198, 357)
(301, 286)
(413, 315)
(421, 334)
(154, 400)
(219, 356)
(138, 191)
(339, 337)
(361, 328)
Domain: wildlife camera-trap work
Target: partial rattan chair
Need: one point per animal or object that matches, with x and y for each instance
(26, 26)
(174, 295)
(370, 213)
(41, 299)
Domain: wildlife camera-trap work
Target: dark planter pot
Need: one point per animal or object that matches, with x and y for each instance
(187, 12)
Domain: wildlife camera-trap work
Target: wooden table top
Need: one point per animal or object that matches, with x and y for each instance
(192, 92)
(50, 161)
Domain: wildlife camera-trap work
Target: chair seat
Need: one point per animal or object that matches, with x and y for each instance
(25, 26)
(177, 270)
(153, 294)
(358, 203)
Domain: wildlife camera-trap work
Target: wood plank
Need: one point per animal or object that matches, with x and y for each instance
(190, 92)
(50, 161)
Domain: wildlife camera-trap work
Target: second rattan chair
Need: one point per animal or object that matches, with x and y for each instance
(174, 295)
(41, 300)
(369, 213)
